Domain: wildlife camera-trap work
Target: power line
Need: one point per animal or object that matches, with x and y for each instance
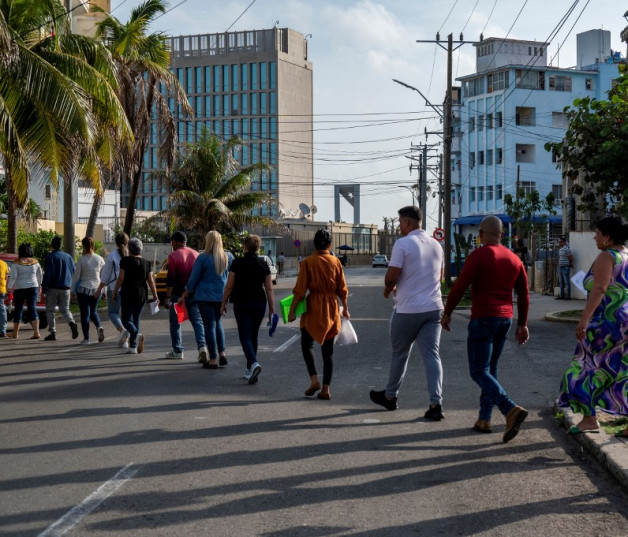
(241, 14)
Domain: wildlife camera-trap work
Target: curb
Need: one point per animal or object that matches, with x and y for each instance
(609, 451)
(553, 317)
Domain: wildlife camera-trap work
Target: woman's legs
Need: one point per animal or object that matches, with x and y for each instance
(84, 306)
(113, 310)
(128, 320)
(93, 311)
(307, 349)
(206, 310)
(249, 318)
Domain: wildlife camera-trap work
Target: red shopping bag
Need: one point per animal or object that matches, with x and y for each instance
(181, 311)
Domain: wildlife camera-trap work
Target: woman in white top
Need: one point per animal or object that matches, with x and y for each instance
(85, 284)
(108, 278)
(25, 280)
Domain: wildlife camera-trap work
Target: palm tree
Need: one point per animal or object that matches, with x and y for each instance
(209, 188)
(143, 62)
(53, 88)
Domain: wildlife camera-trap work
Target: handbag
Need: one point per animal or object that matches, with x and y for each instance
(347, 335)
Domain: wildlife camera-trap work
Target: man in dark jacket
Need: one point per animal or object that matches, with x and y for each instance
(58, 273)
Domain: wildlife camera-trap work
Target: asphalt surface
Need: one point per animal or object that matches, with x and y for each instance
(96, 442)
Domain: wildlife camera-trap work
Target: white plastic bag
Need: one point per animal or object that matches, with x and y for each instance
(347, 335)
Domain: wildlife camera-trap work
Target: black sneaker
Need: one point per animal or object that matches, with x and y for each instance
(51, 337)
(435, 413)
(74, 329)
(379, 398)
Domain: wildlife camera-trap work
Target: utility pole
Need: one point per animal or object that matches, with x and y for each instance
(447, 139)
(440, 191)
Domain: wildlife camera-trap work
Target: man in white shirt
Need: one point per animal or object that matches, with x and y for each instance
(414, 275)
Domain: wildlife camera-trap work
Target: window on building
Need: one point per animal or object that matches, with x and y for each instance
(489, 121)
(208, 79)
(263, 103)
(263, 84)
(235, 71)
(560, 120)
(264, 127)
(188, 80)
(526, 79)
(480, 193)
(472, 194)
(47, 192)
(499, 156)
(198, 106)
(273, 74)
(498, 192)
(273, 153)
(471, 160)
(481, 158)
(588, 84)
(225, 78)
(557, 190)
(198, 79)
(489, 157)
(235, 105)
(481, 122)
(497, 81)
(525, 153)
(273, 102)
(499, 122)
(273, 128)
(473, 87)
(489, 193)
(226, 109)
(244, 71)
(525, 116)
(527, 187)
(471, 124)
(254, 103)
(559, 83)
(245, 104)
(254, 77)
(208, 106)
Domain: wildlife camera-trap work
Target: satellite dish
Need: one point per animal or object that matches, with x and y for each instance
(313, 209)
(304, 209)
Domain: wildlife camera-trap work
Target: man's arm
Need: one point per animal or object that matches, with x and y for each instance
(391, 279)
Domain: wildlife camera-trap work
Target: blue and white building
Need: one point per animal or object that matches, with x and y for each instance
(510, 107)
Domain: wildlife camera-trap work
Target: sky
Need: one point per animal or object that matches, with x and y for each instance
(364, 123)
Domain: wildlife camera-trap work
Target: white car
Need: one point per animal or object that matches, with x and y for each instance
(273, 269)
(380, 261)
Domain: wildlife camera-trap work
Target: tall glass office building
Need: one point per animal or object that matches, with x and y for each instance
(255, 85)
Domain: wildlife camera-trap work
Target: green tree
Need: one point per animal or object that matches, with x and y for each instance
(210, 190)
(594, 152)
(143, 67)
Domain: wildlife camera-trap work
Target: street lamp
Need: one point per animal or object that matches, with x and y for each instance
(411, 189)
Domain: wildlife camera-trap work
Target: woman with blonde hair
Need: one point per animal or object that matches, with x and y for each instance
(206, 286)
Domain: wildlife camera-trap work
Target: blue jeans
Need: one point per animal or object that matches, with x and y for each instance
(130, 313)
(28, 295)
(194, 316)
(485, 342)
(113, 308)
(424, 329)
(565, 282)
(3, 314)
(212, 324)
(249, 317)
(88, 304)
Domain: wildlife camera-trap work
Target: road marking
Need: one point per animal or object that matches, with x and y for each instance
(80, 511)
(283, 347)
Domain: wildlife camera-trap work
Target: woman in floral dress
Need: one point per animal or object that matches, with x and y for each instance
(598, 374)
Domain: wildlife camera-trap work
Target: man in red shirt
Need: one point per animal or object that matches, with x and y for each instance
(493, 271)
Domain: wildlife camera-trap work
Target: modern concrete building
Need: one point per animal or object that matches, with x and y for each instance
(256, 85)
(511, 106)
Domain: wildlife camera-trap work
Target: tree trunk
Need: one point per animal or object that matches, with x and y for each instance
(93, 215)
(11, 214)
(68, 215)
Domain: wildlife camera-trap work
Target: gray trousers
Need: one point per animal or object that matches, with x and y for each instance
(57, 298)
(424, 329)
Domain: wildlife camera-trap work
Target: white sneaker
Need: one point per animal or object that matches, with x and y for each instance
(247, 374)
(101, 334)
(131, 350)
(140, 343)
(86, 342)
(124, 335)
(125, 345)
(172, 355)
(203, 354)
(256, 369)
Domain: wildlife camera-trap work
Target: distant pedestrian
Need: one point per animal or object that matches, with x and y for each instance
(565, 264)
(249, 287)
(4, 275)
(413, 276)
(58, 273)
(136, 276)
(180, 263)
(25, 280)
(207, 284)
(108, 279)
(323, 277)
(521, 250)
(281, 261)
(598, 374)
(85, 285)
(492, 271)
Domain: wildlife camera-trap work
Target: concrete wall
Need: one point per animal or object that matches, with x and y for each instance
(584, 253)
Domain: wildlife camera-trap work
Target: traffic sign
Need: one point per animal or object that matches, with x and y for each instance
(439, 234)
(297, 243)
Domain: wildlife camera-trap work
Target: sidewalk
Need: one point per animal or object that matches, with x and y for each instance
(611, 452)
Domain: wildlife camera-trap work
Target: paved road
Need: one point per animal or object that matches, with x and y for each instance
(102, 443)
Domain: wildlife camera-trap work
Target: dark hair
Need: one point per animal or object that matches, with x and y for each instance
(25, 250)
(252, 243)
(56, 242)
(411, 211)
(614, 227)
(88, 244)
(122, 239)
(322, 239)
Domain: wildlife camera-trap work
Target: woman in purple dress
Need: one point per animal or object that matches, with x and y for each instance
(598, 374)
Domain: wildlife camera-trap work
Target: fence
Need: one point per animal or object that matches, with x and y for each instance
(146, 228)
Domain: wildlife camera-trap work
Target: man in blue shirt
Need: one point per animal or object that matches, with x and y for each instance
(565, 264)
(58, 273)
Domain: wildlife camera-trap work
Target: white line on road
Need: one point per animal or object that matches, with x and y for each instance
(283, 347)
(79, 512)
